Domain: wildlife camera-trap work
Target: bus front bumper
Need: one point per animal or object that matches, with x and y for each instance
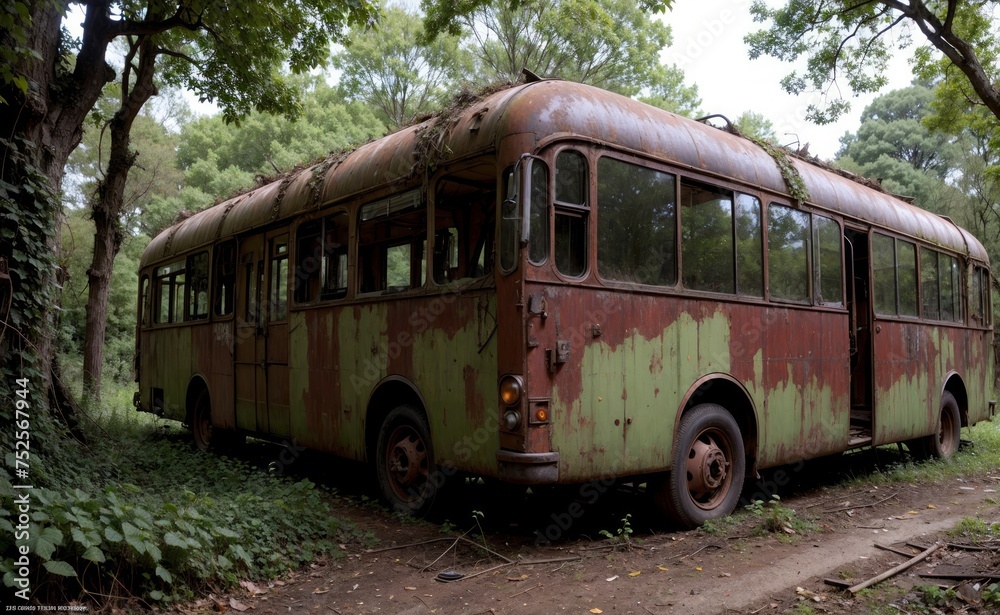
(528, 468)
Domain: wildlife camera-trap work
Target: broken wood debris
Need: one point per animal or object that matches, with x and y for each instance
(896, 570)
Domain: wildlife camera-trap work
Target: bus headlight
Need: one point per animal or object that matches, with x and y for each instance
(510, 390)
(511, 419)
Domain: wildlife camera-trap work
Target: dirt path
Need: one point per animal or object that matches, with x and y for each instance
(729, 570)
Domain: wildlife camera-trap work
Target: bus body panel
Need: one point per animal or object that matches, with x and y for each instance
(633, 359)
(443, 345)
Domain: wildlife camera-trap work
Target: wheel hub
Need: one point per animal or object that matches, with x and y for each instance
(707, 467)
(406, 461)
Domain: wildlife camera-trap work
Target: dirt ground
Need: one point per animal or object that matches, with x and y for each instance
(546, 552)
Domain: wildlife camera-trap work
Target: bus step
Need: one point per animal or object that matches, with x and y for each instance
(858, 441)
(861, 416)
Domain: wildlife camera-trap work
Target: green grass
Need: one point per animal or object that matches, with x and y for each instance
(136, 516)
(979, 459)
(975, 530)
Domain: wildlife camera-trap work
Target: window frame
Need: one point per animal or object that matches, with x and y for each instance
(651, 166)
(582, 211)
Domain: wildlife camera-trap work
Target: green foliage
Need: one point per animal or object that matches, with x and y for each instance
(937, 596)
(235, 56)
(991, 595)
(977, 530)
(613, 44)
(220, 159)
(77, 247)
(894, 144)
(756, 127)
(15, 20)
(622, 535)
(445, 15)
(397, 74)
(145, 516)
(28, 211)
(774, 518)
(849, 42)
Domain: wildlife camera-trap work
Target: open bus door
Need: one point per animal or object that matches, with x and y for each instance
(860, 311)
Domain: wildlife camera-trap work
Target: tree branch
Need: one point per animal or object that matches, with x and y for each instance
(176, 54)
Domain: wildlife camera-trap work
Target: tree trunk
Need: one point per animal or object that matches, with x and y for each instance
(50, 116)
(108, 209)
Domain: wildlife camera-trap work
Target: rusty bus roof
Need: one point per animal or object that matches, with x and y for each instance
(550, 110)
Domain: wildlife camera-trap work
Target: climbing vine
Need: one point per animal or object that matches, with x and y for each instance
(28, 211)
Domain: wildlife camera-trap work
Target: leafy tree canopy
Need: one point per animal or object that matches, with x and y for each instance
(395, 71)
(849, 42)
(613, 44)
(893, 145)
(444, 15)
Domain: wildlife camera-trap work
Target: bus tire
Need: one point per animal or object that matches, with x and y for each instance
(204, 434)
(708, 470)
(404, 462)
(201, 421)
(943, 444)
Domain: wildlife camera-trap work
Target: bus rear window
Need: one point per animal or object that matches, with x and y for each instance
(572, 213)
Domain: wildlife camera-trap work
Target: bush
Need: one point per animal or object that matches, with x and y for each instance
(137, 514)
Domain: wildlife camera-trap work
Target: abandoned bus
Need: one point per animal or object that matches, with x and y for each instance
(553, 283)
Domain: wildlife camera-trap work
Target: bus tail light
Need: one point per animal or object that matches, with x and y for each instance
(538, 411)
(510, 390)
(511, 419)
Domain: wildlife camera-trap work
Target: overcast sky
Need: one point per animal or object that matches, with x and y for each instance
(708, 46)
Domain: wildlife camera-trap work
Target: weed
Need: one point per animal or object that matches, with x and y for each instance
(936, 596)
(623, 535)
(991, 595)
(778, 519)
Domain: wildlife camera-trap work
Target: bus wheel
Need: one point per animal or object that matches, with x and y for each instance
(709, 466)
(201, 422)
(404, 462)
(944, 443)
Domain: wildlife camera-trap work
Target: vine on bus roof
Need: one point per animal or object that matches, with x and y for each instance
(793, 180)
(430, 147)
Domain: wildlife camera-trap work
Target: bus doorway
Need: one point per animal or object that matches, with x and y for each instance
(260, 349)
(860, 310)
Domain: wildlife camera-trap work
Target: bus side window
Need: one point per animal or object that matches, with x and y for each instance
(168, 286)
(321, 259)
(572, 212)
(278, 284)
(895, 272)
(224, 276)
(144, 301)
(636, 224)
(749, 247)
(392, 243)
(979, 300)
(707, 238)
(930, 284)
(827, 262)
(787, 253)
(951, 290)
(196, 301)
(464, 224)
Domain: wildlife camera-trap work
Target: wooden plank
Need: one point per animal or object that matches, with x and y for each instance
(894, 571)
